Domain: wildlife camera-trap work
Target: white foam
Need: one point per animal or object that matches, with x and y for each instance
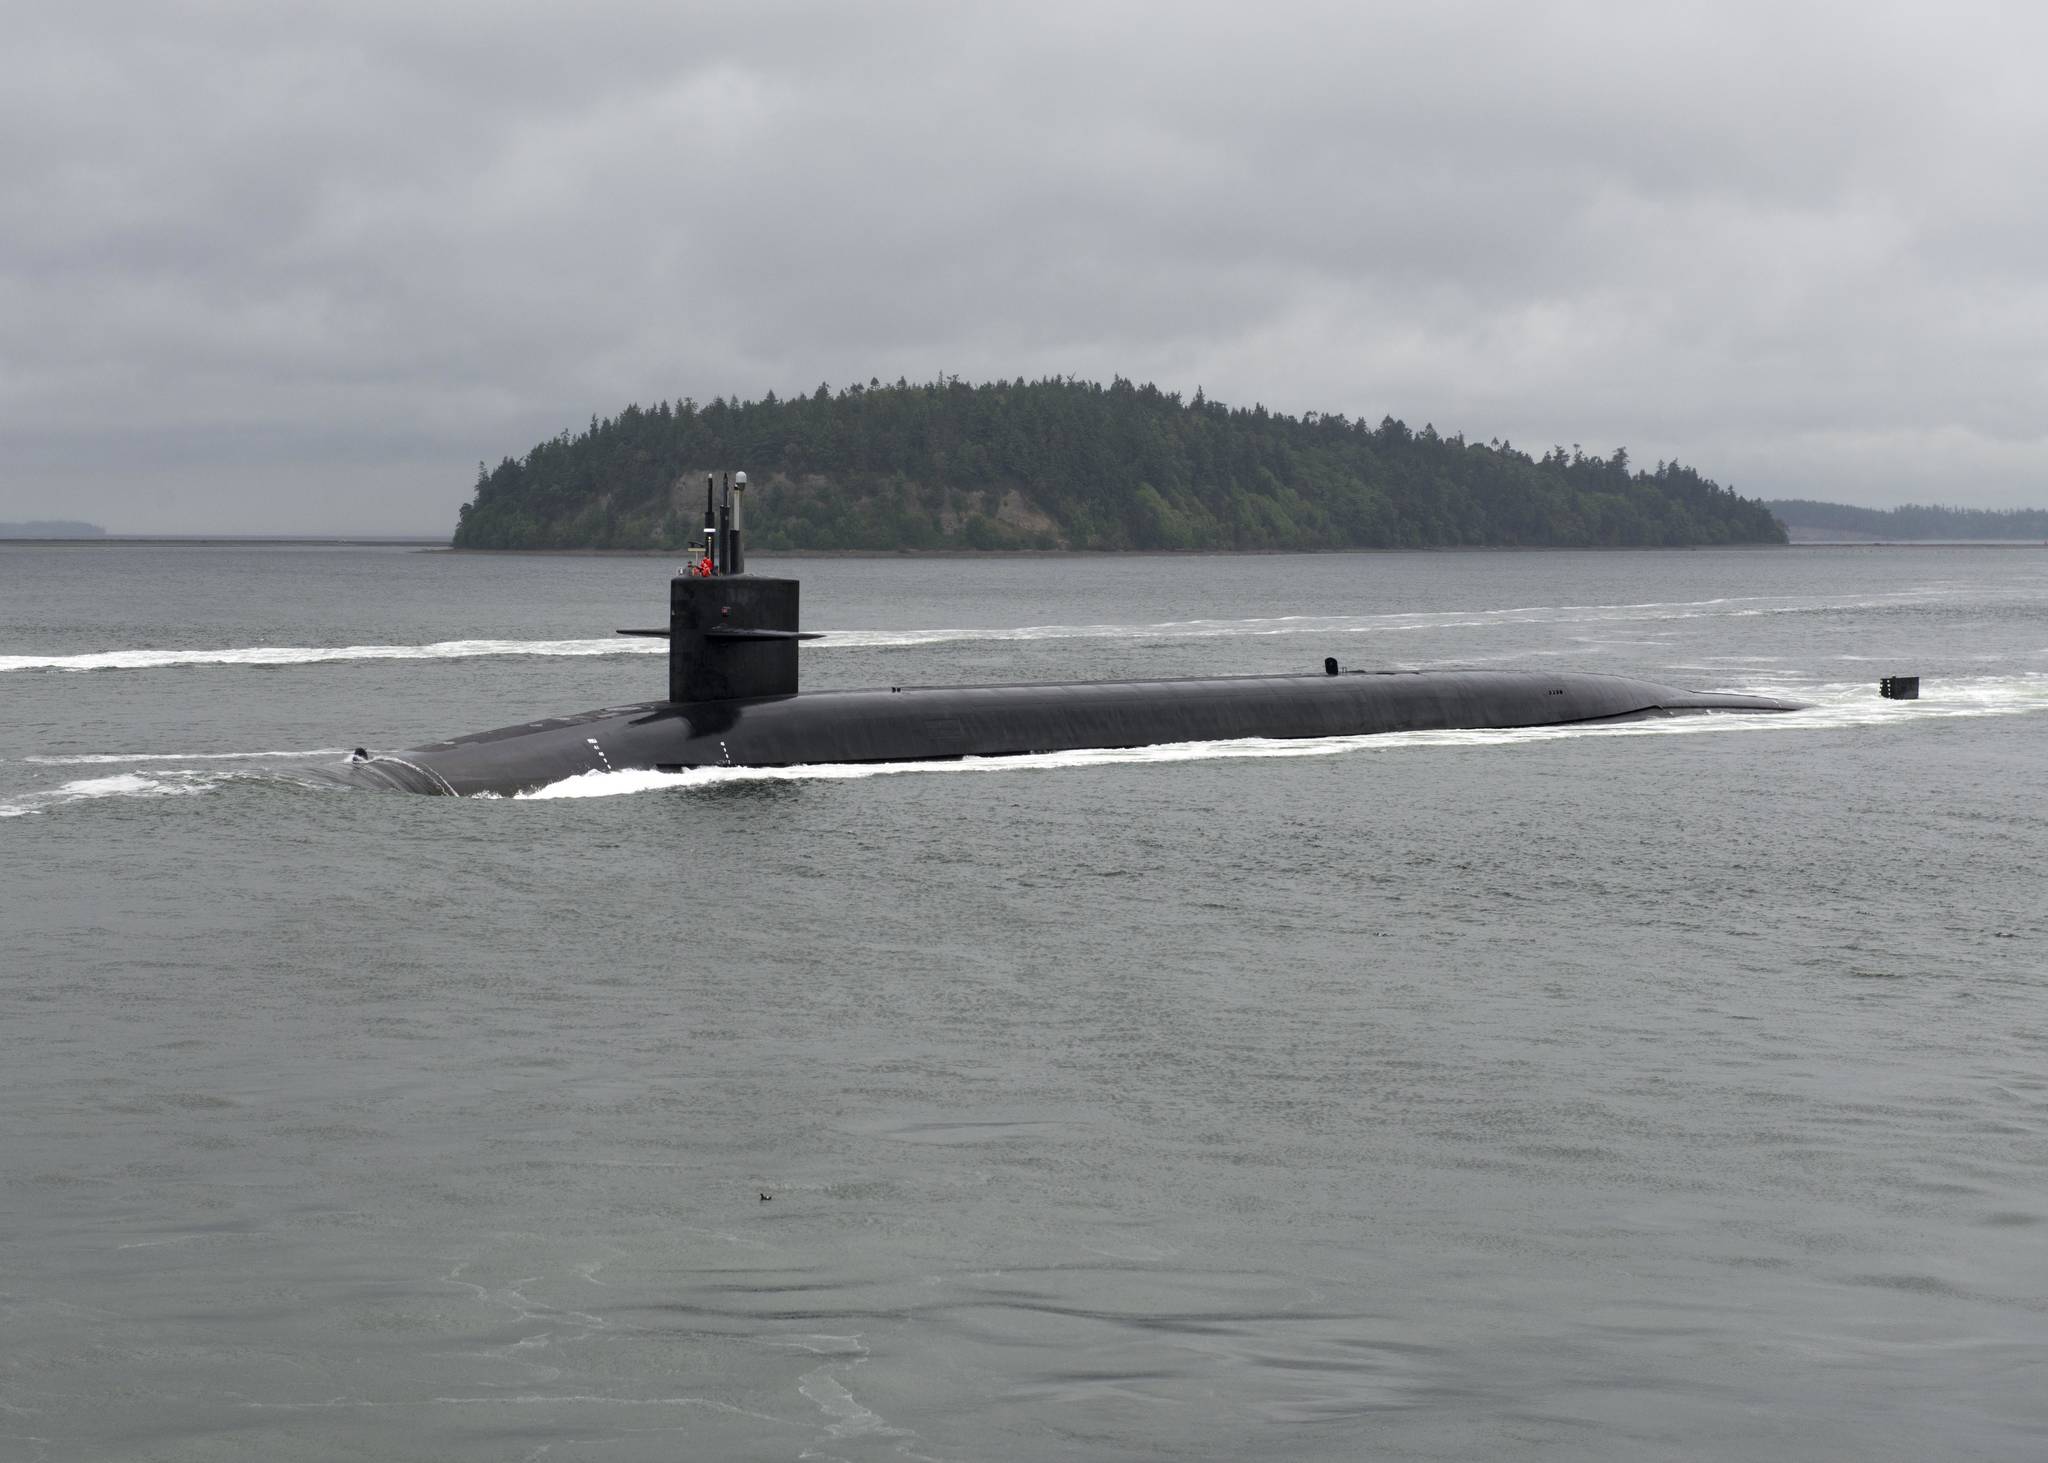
(122, 759)
(849, 1417)
(281, 655)
(1831, 707)
(120, 785)
(610, 784)
(1267, 625)
(1380, 623)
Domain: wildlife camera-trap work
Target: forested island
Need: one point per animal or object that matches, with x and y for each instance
(51, 528)
(1808, 519)
(1066, 464)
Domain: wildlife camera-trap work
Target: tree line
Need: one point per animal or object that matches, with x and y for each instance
(1066, 464)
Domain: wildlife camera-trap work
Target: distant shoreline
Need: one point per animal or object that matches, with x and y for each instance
(1047, 554)
(1917, 543)
(243, 541)
(428, 544)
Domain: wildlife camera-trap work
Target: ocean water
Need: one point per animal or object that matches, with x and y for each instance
(1660, 1091)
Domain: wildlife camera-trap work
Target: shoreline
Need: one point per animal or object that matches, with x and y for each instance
(1042, 554)
(424, 545)
(1267, 553)
(238, 541)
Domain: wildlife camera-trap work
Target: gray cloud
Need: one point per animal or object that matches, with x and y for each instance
(281, 269)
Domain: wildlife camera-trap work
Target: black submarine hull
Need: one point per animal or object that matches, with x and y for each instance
(912, 724)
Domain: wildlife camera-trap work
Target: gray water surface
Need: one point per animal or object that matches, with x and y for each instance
(1676, 1090)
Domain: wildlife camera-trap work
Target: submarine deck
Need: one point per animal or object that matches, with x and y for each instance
(923, 723)
(641, 708)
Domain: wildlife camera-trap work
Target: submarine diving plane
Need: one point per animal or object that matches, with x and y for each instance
(733, 702)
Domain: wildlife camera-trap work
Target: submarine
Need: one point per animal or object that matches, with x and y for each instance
(733, 701)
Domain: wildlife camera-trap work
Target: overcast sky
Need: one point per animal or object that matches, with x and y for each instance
(271, 268)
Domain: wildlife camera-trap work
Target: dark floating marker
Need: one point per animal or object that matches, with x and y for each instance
(766, 1197)
(733, 701)
(1899, 688)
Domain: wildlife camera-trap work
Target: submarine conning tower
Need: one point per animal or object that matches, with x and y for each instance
(731, 635)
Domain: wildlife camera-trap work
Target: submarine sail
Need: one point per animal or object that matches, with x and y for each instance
(733, 701)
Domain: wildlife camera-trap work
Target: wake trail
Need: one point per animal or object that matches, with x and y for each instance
(156, 783)
(120, 785)
(1385, 623)
(1020, 634)
(1194, 629)
(123, 759)
(292, 655)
